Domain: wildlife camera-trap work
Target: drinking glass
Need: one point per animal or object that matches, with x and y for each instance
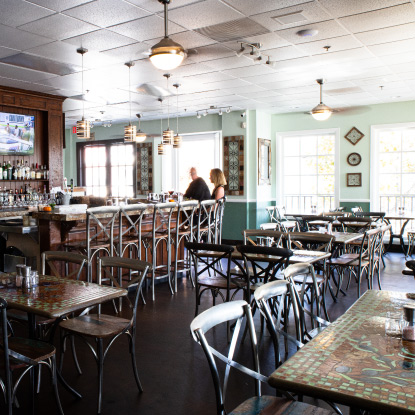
(393, 324)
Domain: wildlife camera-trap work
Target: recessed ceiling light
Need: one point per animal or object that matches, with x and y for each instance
(307, 32)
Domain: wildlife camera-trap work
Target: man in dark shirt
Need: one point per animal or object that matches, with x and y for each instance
(198, 188)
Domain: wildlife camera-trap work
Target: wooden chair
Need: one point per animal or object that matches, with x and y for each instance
(285, 224)
(314, 223)
(224, 314)
(100, 327)
(378, 218)
(26, 354)
(354, 224)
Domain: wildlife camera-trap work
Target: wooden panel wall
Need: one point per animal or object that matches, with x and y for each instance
(47, 110)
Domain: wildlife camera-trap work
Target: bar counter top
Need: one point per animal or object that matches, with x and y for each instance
(12, 212)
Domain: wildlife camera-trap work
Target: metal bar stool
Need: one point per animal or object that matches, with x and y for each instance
(219, 211)
(205, 221)
(154, 240)
(183, 231)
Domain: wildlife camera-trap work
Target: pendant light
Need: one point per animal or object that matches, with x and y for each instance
(321, 112)
(160, 147)
(177, 139)
(83, 129)
(140, 136)
(130, 129)
(167, 137)
(166, 54)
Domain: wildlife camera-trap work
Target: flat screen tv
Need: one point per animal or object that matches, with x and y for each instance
(17, 134)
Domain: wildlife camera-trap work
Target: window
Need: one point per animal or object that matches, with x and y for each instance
(393, 162)
(202, 151)
(308, 170)
(107, 168)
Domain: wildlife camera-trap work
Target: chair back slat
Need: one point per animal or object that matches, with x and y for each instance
(78, 263)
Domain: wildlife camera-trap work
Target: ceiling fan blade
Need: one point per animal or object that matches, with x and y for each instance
(360, 109)
(153, 90)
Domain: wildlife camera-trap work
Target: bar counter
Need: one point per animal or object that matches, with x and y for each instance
(13, 212)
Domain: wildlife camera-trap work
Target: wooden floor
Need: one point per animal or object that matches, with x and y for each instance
(173, 370)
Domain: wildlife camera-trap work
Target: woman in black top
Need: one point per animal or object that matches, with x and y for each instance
(218, 179)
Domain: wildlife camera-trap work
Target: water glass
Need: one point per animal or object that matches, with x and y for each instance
(393, 324)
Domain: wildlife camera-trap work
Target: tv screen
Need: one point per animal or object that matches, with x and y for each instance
(17, 134)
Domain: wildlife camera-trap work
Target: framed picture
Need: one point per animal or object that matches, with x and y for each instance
(354, 179)
(264, 161)
(354, 136)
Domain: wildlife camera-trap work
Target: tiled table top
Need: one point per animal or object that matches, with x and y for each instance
(55, 296)
(352, 362)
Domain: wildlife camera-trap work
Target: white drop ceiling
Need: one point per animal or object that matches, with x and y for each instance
(371, 58)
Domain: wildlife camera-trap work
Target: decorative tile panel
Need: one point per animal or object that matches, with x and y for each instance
(233, 157)
(144, 168)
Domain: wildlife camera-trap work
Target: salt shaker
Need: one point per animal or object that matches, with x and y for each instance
(408, 332)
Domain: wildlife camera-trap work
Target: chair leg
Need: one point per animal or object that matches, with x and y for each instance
(134, 362)
(55, 384)
(100, 362)
(75, 357)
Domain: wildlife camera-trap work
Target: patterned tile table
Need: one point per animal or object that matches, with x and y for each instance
(353, 363)
(55, 296)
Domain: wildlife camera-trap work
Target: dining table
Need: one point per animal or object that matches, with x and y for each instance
(403, 220)
(54, 298)
(352, 362)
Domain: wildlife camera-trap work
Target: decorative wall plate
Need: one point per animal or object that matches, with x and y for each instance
(354, 159)
(354, 179)
(354, 136)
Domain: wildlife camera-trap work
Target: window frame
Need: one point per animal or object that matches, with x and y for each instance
(375, 130)
(80, 164)
(280, 159)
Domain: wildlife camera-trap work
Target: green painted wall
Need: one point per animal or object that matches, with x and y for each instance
(362, 118)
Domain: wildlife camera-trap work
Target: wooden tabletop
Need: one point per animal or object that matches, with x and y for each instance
(300, 256)
(396, 216)
(346, 237)
(352, 362)
(56, 296)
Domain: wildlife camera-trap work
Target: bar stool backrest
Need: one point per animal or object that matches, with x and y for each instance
(103, 220)
(205, 220)
(185, 216)
(219, 212)
(132, 217)
(162, 215)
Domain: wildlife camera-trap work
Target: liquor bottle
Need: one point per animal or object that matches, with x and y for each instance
(18, 171)
(21, 190)
(38, 173)
(45, 172)
(33, 173)
(26, 170)
(1, 173)
(9, 171)
(4, 171)
(14, 172)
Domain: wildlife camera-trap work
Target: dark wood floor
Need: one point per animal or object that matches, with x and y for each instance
(173, 370)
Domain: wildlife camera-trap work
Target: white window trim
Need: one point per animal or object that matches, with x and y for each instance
(374, 158)
(280, 157)
(169, 166)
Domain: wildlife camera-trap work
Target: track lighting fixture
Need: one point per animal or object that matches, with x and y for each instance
(212, 110)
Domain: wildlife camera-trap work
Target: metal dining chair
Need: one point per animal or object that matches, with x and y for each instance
(224, 314)
(27, 354)
(99, 327)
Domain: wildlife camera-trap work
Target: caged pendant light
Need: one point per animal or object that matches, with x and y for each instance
(177, 139)
(130, 130)
(321, 112)
(166, 54)
(167, 137)
(140, 136)
(83, 128)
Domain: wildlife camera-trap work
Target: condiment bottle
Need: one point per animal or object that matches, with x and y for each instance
(408, 332)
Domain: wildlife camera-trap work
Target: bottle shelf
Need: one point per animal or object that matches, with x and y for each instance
(23, 180)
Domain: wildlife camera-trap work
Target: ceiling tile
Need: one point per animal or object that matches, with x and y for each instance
(128, 53)
(230, 62)
(208, 77)
(4, 52)
(210, 53)
(65, 52)
(146, 28)
(388, 34)
(393, 48)
(287, 52)
(343, 8)
(100, 40)
(17, 12)
(378, 19)
(303, 14)
(30, 86)
(156, 7)
(326, 30)
(58, 5)
(58, 27)
(206, 13)
(17, 39)
(188, 39)
(251, 7)
(13, 72)
(336, 44)
(253, 70)
(102, 13)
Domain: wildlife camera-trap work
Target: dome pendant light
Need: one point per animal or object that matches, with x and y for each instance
(177, 139)
(166, 54)
(321, 112)
(130, 130)
(140, 136)
(167, 137)
(83, 128)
